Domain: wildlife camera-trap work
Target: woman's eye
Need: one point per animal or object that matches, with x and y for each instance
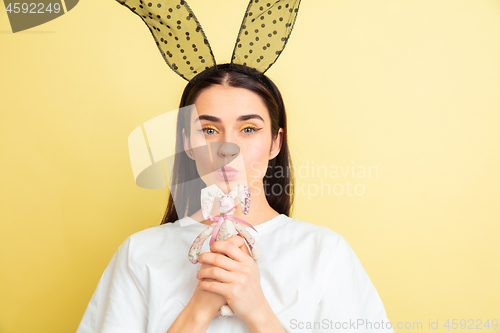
(250, 130)
(208, 130)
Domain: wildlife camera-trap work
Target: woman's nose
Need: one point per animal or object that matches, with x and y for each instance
(228, 149)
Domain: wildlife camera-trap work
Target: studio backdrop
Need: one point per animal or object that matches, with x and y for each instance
(394, 117)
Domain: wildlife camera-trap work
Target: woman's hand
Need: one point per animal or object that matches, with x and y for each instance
(237, 277)
(206, 304)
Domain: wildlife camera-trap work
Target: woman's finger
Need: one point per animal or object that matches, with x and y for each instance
(215, 287)
(232, 248)
(214, 273)
(204, 266)
(239, 241)
(218, 260)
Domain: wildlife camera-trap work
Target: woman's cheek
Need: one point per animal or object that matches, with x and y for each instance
(256, 164)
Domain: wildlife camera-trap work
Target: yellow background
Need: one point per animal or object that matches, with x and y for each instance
(411, 87)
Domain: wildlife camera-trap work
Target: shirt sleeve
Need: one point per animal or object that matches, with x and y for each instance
(349, 301)
(119, 303)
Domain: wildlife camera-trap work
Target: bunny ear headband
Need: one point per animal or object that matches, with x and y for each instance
(263, 34)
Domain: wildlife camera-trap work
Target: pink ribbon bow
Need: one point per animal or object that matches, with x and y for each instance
(220, 219)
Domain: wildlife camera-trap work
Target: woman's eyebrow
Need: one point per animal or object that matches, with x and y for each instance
(249, 116)
(240, 118)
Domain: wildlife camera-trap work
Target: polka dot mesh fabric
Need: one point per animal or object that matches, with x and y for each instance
(177, 33)
(182, 42)
(264, 32)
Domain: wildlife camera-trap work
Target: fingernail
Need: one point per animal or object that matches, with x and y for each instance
(198, 284)
(198, 275)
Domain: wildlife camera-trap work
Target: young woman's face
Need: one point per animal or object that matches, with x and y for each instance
(235, 124)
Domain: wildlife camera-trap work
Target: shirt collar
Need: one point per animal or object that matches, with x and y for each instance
(186, 220)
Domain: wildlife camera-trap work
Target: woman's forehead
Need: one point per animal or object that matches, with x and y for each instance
(229, 103)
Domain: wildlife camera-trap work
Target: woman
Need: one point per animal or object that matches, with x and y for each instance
(308, 279)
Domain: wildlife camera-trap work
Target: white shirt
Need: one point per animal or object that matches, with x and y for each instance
(310, 276)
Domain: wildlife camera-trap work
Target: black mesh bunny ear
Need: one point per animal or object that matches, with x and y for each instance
(177, 33)
(264, 32)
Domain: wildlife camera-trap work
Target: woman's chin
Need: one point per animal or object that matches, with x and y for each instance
(223, 182)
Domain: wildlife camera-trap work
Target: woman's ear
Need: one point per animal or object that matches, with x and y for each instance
(276, 144)
(187, 145)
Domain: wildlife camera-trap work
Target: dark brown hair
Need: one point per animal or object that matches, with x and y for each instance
(184, 168)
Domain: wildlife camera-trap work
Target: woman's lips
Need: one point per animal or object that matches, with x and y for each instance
(227, 172)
